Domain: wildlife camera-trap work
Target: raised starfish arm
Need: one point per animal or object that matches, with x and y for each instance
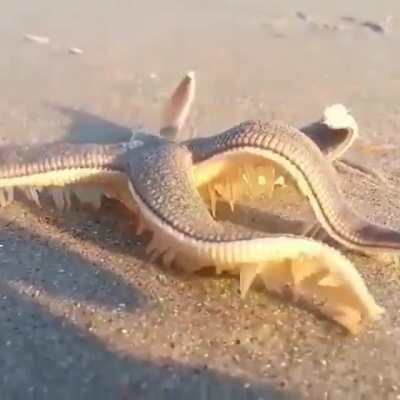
(58, 166)
(177, 108)
(246, 159)
(334, 134)
(163, 187)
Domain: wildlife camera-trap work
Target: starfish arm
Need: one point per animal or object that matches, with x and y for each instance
(334, 133)
(163, 187)
(178, 106)
(249, 156)
(62, 165)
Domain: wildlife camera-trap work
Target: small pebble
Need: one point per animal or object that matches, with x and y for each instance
(373, 26)
(301, 15)
(348, 19)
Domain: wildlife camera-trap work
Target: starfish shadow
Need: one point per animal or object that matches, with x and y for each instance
(47, 356)
(34, 260)
(86, 127)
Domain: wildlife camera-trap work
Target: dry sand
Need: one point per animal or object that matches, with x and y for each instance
(83, 315)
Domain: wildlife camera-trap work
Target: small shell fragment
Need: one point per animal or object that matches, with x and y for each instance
(37, 39)
(75, 50)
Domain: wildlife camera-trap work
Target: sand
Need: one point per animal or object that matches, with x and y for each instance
(83, 314)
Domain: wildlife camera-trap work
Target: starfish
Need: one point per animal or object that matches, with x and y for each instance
(173, 186)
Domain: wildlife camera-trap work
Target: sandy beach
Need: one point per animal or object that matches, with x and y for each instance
(83, 313)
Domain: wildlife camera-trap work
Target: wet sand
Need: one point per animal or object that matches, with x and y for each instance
(83, 314)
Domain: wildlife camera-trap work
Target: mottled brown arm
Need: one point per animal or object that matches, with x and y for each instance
(58, 166)
(20, 161)
(313, 173)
